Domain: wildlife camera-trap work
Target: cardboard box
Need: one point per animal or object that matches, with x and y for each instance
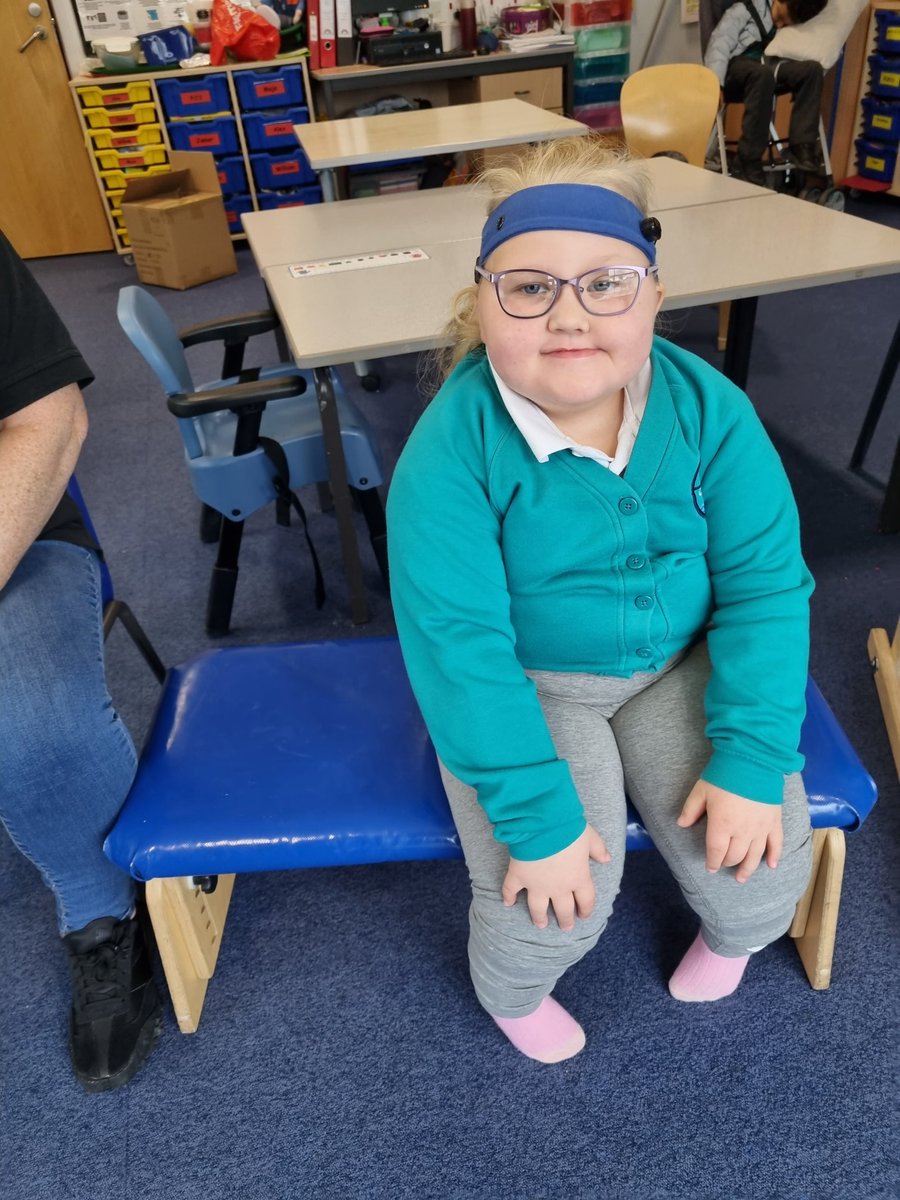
(177, 225)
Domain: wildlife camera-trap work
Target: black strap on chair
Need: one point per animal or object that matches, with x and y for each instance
(765, 35)
(286, 500)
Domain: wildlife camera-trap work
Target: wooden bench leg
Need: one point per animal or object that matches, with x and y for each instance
(724, 318)
(815, 920)
(188, 925)
(885, 659)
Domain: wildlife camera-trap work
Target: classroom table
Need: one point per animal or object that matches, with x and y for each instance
(728, 246)
(417, 133)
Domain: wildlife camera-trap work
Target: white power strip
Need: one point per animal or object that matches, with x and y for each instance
(358, 262)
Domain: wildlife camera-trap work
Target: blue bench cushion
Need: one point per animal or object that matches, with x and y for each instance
(264, 758)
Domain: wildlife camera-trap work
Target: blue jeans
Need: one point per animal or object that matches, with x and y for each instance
(66, 759)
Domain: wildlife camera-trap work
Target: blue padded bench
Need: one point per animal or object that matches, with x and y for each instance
(264, 758)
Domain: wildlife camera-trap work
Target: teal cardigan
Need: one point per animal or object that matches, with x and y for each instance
(500, 563)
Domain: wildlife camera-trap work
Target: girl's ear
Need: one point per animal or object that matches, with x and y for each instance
(660, 295)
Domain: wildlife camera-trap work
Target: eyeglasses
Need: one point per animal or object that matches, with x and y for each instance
(603, 292)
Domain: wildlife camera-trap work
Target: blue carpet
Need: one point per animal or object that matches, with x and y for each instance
(341, 1053)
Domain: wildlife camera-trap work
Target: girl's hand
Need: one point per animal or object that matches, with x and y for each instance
(739, 832)
(563, 880)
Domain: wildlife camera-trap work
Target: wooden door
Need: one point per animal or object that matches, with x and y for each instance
(49, 201)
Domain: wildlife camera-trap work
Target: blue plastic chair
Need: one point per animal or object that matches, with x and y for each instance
(265, 758)
(250, 436)
(115, 609)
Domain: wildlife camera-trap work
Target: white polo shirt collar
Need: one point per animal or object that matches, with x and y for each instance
(545, 438)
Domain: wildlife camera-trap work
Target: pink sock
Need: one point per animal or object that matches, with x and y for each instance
(702, 975)
(548, 1034)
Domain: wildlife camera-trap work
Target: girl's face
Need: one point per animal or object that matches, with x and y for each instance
(567, 362)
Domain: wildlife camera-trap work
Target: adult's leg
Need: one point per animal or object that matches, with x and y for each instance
(752, 83)
(66, 759)
(804, 81)
(514, 965)
(660, 734)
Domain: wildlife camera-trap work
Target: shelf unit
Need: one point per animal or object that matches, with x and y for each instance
(877, 134)
(242, 113)
(602, 32)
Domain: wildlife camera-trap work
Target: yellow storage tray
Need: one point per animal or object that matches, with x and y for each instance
(112, 118)
(121, 139)
(136, 156)
(113, 180)
(114, 94)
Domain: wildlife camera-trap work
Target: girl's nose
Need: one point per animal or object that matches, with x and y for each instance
(568, 312)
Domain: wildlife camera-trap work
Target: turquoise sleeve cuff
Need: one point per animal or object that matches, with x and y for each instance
(752, 780)
(544, 844)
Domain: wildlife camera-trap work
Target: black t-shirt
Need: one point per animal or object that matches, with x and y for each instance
(37, 357)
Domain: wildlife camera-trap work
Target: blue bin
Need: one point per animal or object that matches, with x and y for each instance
(290, 198)
(876, 160)
(887, 25)
(282, 170)
(234, 206)
(232, 175)
(218, 135)
(881, 119)
(278, 87)
(274, 130)
(885, 70)
(597, 91)
(195, 96)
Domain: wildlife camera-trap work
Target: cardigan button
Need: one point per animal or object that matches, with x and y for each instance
(644, 652)
(628, 505)
(643, 602)
(635, 561)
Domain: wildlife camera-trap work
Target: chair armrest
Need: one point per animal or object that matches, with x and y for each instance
(230, 329)
(237, 398)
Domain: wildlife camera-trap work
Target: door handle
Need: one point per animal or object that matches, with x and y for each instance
(39, 35)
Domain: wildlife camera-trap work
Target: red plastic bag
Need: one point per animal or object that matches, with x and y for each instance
(242, 33)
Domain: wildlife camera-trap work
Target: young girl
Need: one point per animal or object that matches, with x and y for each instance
(597, 581)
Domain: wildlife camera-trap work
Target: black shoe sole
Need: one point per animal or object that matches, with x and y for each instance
(146, 1040)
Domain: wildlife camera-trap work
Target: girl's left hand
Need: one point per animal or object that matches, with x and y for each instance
(739, 832)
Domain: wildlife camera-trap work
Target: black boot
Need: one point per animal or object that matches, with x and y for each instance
(116, 1012)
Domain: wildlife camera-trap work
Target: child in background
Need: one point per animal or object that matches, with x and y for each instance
(736, 52)
(592, 541)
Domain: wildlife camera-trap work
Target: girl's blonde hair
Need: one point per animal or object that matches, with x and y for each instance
(589, 159)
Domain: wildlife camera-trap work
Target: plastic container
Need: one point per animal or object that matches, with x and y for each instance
(599, 116)
(600, 91)
(114, 95)
(217, 135)
(881, 119)
(291, 198)
(281, 170)
(274, 130)
(114, 181)
(134, 156)
(120, 139)
(596, 12)
(601, 64)
(234, 207)
(876, 160)
(885, 80)
(601, 37)
(280, 87)
(112, 118)
(167, 47)
(887, 25)
(232, 175)
(194, 96)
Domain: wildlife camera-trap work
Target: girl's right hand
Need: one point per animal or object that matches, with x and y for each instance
(563, 880)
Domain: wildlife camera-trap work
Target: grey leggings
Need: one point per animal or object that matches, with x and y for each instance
(643, 735)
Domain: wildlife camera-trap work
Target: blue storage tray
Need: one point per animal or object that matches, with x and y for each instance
(290, 198)
(218, 135)
(876, 160)
(274, 130)
(195, 96)
(888, 26)
(881, 119)
(234, 206)
(606, 91)
(232, 175)
(282, 170)
(278, 87)
(885, 70)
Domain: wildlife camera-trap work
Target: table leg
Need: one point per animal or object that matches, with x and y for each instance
(328, 180)
(876, 404)
(343, 505)
(740, 340)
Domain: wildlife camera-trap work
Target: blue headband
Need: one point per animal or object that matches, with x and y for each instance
(579, 206)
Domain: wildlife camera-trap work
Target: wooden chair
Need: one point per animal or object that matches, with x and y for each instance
(673, 109)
